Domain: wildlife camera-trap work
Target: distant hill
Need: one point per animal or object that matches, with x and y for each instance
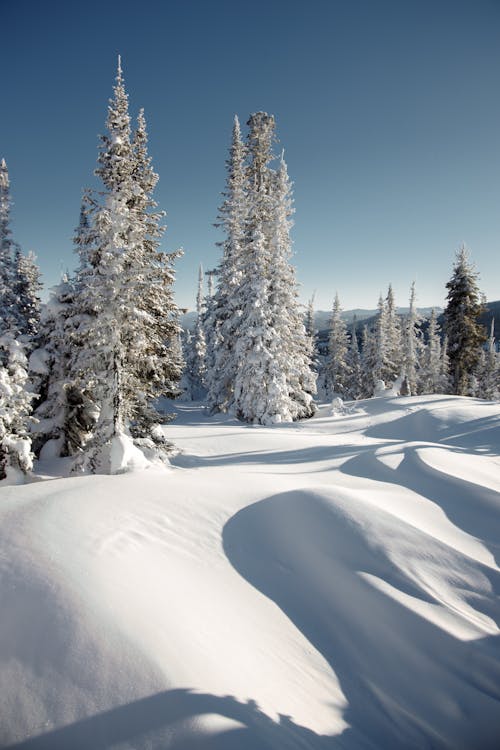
(322, 317)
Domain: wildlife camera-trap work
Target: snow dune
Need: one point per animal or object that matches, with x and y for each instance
(328, 584)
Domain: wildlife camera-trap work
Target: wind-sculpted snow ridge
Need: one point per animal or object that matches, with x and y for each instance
(331, 584)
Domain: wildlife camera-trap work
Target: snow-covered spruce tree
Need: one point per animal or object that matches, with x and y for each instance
(369, 361)
(194, 373)
(19, 313)
(353, 362)
(463, 330)
(391, 368)
(126, 316)
(309, 319)
(225, 308)
(412, 346)
(274, 380)
(295, 349)
(7, 247)
(15, 408)
(431, 380)
(159, 367)
(27, 288)
(336, 371)
(488, 374)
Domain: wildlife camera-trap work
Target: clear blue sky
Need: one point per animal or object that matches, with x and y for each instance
(388, 110)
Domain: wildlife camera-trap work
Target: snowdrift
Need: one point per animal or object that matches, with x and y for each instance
(328, 584)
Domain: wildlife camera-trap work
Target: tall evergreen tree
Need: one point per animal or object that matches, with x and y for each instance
(353, 362)
(488, 374)
(337, 374)
(431, 380)
(226, 304)
(194, 374)
(412, 346)
(370, 367)
(463, 330)
(274, 381)
(15, 408)
(392, 360)
(122, 322)
(7, 272)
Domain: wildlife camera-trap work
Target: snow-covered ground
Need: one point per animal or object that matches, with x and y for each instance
(328, 584)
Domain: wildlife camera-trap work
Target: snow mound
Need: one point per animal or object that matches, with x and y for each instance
(327, 584)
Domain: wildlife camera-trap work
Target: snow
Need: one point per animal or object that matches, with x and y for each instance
(326, 584)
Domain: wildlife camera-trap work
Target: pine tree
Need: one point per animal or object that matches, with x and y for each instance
(337, 374)
(309, 321)
(488, 375)
(194, 377)
(294, 348)
(15, 408)
(27, 288)
(226, 305)
(392, 362)
(412, 346)
(369, 360)
(122, 322)
(7, 246)
(465, 335)
(274, 381)
(353, 362)
(431, 380)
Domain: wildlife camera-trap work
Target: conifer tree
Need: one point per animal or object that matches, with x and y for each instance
(121, 320)
(431, 380)
(412, 346)
(194, 377)
(309, 321)
(273, 380)
(15, 408)
(369, 361)
(7, 273)
(226, 304)
(488, 375)
(463, 330)
(337, 373)
(18, 324)
(353, 362)
(392, 362)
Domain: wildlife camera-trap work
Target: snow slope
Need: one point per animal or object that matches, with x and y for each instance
(328, 584)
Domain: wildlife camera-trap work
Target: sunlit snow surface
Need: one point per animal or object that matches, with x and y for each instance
(328, 584)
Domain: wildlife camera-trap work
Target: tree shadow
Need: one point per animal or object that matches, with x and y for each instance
(409, 683)
(473, 508)
(170, 721)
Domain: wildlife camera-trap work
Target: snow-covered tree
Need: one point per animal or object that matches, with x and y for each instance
(121, 322)
(353, 362)
(259, 356)
(463, 330)
(274, 380)
(7, 247)
(412, 346)
(194, 373)
(392, 359)
(488, 373)
(309, 320)
(369, 360)
(431, 380)
(336, 370)
(226, 303)
(27, 288)
(15, 408)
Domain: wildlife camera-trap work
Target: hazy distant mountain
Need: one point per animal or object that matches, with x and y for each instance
(322, 317)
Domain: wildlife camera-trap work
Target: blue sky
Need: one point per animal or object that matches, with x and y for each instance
(388, 111)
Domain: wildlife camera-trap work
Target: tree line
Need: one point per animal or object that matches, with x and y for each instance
(82, 375)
